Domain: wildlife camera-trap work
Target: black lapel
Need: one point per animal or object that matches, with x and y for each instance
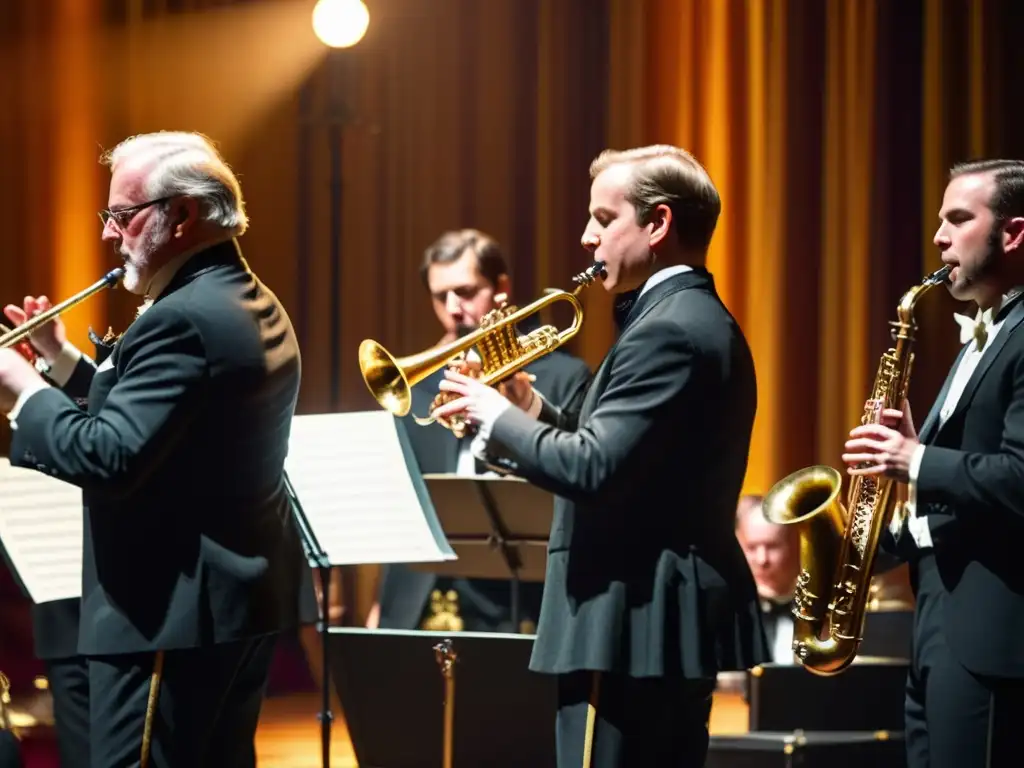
(1013, 319)
(697, 277)
(924, 435)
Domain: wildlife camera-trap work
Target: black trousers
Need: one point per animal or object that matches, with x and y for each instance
(637, 721)
(69, 688)
(954, 718)
(206, 707)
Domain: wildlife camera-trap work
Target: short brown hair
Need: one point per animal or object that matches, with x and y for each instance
(667, 175)
(452, 245)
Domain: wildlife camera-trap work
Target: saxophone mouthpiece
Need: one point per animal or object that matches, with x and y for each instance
(939, 275)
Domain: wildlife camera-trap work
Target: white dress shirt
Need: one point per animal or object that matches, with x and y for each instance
(918, 526)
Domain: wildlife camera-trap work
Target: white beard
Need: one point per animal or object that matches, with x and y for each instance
(138, 271)
(132, 280)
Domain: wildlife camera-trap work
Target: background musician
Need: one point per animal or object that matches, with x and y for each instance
(647, 595)
(191, 562)
(773, 553)
(466, 273)
(964, 470)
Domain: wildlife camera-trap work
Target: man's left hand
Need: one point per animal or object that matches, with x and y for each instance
(874, 449)
(16, 376)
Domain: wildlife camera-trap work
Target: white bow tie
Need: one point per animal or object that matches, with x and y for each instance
(975, 328)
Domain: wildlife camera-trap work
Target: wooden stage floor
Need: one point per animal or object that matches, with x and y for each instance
(289, 732)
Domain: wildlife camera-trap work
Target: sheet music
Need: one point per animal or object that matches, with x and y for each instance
(41, 529)
(351, 474)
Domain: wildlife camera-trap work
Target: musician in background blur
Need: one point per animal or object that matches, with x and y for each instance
(191, 561)
(466, 274)
(964, 477)
(773, 553)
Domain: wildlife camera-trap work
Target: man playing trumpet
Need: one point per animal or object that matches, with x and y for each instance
(648, 595)
(191, 562)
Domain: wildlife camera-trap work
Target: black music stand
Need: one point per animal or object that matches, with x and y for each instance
(498, 527)
(396, 705)
(317, 558)
(367, 508)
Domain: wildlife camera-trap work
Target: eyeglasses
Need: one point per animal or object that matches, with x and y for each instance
(122, 216)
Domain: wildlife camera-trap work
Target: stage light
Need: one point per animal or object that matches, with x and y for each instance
(340, 23)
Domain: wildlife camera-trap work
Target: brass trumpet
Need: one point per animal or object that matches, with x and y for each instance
(502, 351)
(21, 333)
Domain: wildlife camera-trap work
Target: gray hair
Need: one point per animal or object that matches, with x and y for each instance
(189, 165)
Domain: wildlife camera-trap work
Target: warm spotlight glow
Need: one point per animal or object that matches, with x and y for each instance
(340, 23)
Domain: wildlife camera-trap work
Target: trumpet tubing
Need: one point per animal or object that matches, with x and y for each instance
(21, 333)
(838, 543)
(502, 351)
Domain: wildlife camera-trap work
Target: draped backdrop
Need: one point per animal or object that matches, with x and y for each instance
(828, 125)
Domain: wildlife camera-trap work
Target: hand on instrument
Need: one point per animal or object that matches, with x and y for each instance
(517, 388)
(886, 448)
(48, 338)
(16, 376)
(475, 401)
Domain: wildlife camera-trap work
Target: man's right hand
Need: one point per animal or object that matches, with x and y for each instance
(49, 338)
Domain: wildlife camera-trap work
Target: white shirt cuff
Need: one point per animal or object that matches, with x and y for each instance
(478, 446)
(914, 470)
(23, 398)
(62, 366)
(484, 424)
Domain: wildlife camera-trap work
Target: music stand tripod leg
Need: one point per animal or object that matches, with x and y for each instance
(315, 554)
(326, 717)
(446, 658)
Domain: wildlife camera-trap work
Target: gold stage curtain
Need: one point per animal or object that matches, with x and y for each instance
(828, 127)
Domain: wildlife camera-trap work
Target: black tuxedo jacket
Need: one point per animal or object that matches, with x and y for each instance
(404, 593)
(645, 576)
(971, 488)
(188, 535)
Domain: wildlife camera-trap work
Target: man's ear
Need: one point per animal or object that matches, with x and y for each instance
(661, 223)
(184, 215)
(1013, 234)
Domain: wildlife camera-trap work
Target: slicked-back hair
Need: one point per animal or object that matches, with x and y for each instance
(666, 175)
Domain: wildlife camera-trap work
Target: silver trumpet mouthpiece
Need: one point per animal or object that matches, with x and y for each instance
(590, 274)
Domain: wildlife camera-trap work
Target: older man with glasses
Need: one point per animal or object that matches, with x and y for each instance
(191, 563)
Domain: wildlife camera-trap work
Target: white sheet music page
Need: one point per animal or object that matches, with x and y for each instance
(41, 529)
(350, 474)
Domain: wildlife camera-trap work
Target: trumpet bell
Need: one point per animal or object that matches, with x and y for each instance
(502, 351)
(385, 378)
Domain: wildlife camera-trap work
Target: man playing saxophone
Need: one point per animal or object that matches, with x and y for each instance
(964, 470)
(191, 561)
(647, 594)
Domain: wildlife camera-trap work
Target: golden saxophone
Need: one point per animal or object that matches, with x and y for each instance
(838, 544)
